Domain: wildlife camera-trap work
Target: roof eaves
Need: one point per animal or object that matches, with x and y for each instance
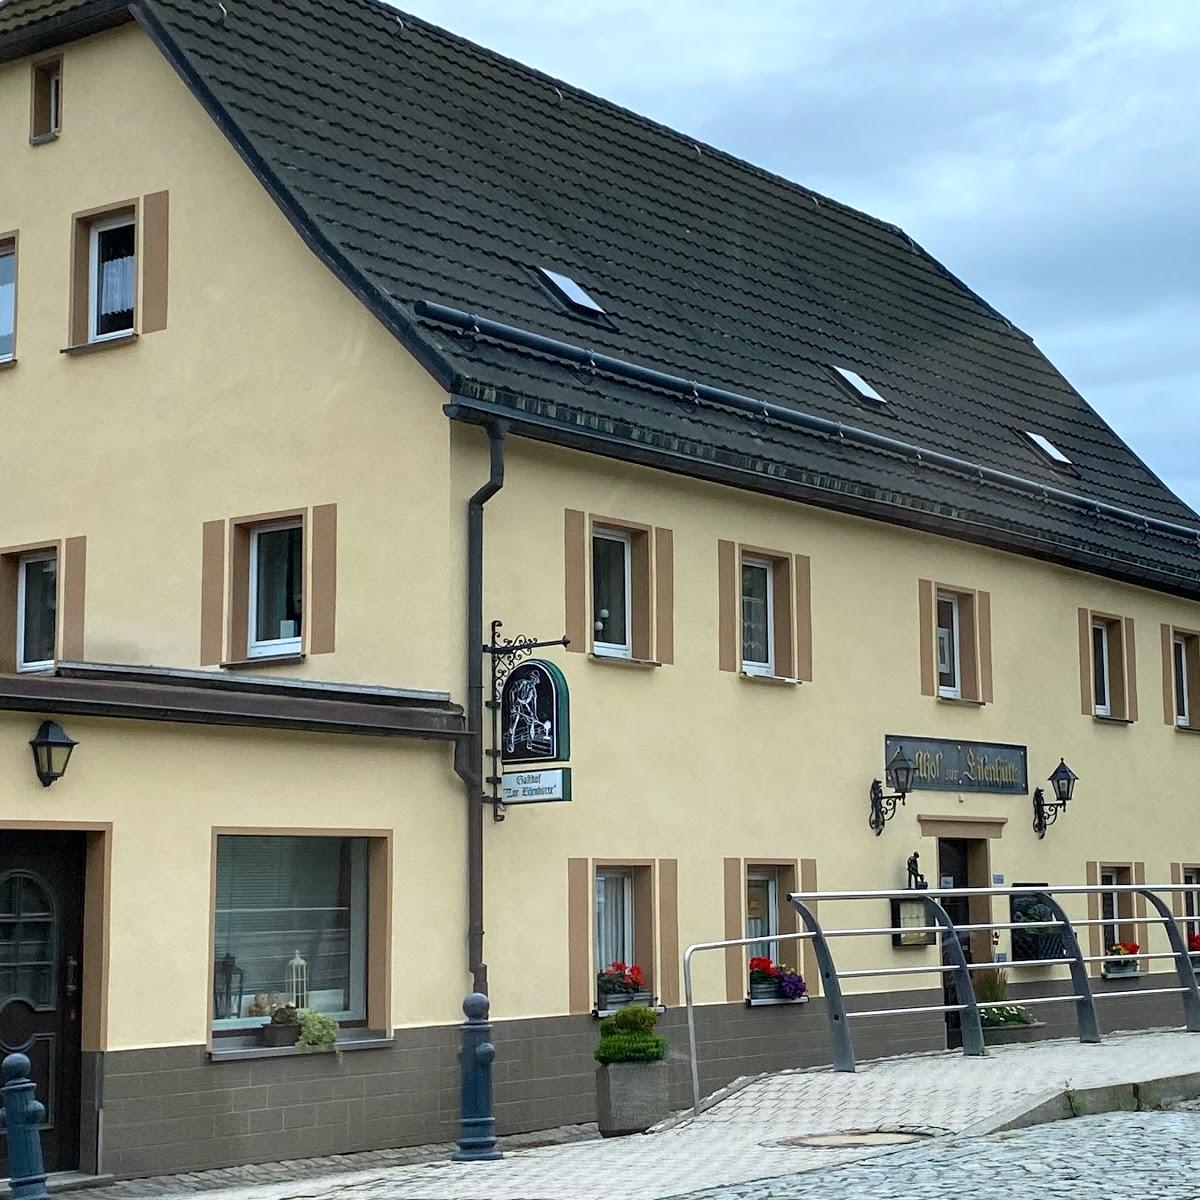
(534, 419)
(386, 311)
(92, 16)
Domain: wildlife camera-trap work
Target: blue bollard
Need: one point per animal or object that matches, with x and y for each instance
(477, 1124)
(20, 1116)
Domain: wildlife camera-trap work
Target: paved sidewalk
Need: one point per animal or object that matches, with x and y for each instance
(739, 1139)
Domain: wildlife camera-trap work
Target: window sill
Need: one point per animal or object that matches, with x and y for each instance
(1120, 974)
(242, 1049)
(761, 1003)
(600, 1013)
(1102, 720)
(42, 139)
(1187, 728)
(7, 363)
(106, 344)
(267, 660)
(961, 701)
(619, 660)
(770, 680)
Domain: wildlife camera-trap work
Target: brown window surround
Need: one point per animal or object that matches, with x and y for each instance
(151, 219)
(655, 894)
(71, 556)
(46, 99)
(649, 635)
(378, 955)
(971, 656)
(225, 586)
(790, 875)
(1107, 640)
(791, 612)
(8, 246)
(1129, 909)
(1186, 904)
(1181, 677)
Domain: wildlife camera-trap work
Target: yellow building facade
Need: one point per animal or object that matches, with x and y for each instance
(223, 416)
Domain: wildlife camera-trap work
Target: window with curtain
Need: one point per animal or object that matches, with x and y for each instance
(8, 300)
(614, 918)
(762, 913)
(282, 901)
(276, 588)
(947, 645)
(113, 277)
(37, 593)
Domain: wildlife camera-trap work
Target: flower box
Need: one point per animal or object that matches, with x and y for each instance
(1120, 967)
(279, 1035)
(1195, 957)
(611, 1001)
(766, 989)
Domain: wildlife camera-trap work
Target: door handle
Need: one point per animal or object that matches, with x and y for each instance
(72, 974)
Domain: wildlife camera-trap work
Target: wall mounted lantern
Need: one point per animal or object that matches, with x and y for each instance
(899, 774)
(1062, 779)
(51, 752)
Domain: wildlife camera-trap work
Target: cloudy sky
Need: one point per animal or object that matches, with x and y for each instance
(1048, 151)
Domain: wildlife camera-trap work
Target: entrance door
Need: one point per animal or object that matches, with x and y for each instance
(41, 954)
(964, 862)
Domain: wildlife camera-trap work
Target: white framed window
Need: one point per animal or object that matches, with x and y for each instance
(614, 917)
(758, 616)
(1101, 676)
(8, 300)
(37, 610)
(1179, 650)
(762, 913)
(290, 927)
(46, 109)
(1191, 900)
(276, 589)
(612, 593)
(949, 663)
(112, 278)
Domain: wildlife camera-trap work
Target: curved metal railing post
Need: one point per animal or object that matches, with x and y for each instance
(831, 989)
(1183, 962)
(691, 1024)
(964, 989)
(1085, 1008)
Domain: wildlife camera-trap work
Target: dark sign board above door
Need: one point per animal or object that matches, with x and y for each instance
(944, 765)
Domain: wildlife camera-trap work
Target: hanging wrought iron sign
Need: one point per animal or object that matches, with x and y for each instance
(531, 724)
(535, 718)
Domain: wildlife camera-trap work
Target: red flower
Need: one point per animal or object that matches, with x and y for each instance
(635, 976)
(1194, 941)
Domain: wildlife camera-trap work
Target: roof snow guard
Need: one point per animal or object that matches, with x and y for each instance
(430, 174)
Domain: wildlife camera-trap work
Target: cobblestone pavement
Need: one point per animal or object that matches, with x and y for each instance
(738, 1140)
(1118, 1156)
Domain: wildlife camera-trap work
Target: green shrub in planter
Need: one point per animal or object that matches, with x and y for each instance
(627, 1036)
(631, 1080)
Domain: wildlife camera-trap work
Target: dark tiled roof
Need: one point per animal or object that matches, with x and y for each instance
(423, 167)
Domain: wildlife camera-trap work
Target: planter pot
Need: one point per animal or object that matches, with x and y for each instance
(279, 1035)
(611, 1001)
(1009, 1035)
(630, 1097)
(1195, 957)
(770, 989)
(1001, 1035)
(1115, 968)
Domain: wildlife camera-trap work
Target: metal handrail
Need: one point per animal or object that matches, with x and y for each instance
(957, 966)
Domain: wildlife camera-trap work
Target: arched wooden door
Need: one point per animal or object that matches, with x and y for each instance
(41, 952)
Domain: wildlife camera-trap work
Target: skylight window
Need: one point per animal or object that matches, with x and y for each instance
(861, 387)
(567, 290)
(1048, 448)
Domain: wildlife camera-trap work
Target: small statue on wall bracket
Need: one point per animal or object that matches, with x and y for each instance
(915, 879)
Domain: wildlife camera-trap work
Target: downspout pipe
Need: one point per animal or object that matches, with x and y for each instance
(468, 757)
